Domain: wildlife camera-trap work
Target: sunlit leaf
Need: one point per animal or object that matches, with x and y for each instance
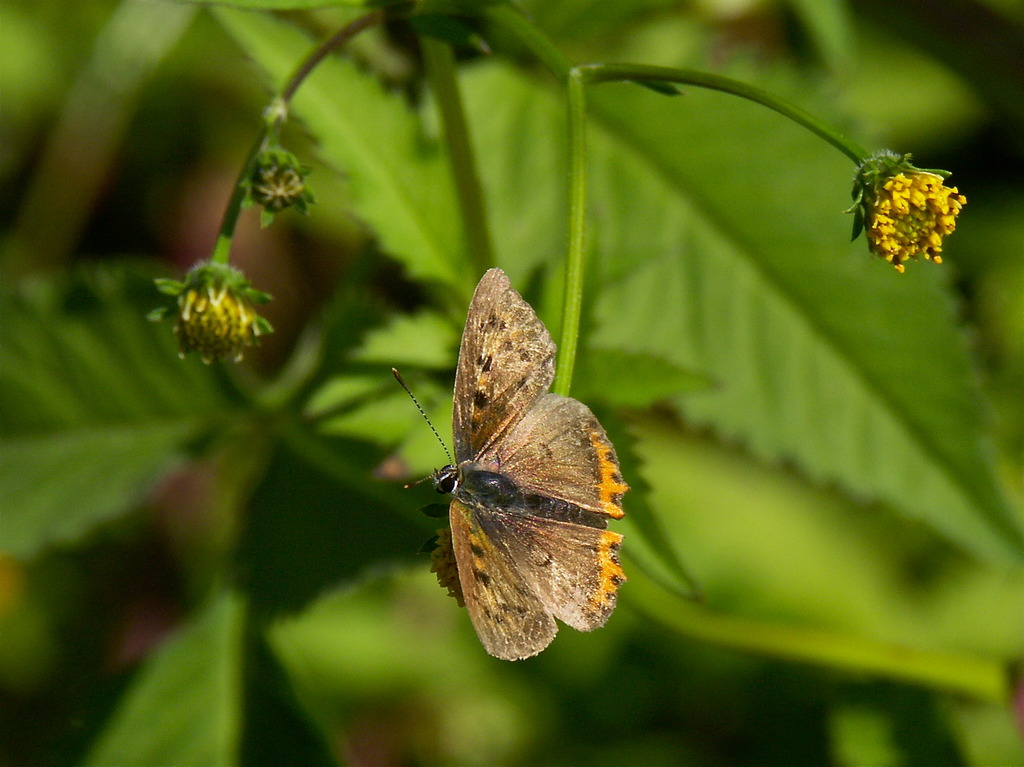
(425, 340)
(737, 264)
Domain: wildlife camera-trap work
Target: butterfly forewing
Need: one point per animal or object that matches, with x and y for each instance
(506, 361)
(559, 450)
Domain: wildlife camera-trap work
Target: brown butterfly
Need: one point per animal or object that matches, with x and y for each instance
(534, 482)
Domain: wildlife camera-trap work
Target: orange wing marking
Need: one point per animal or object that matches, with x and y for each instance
(612, 574)
(611, 485)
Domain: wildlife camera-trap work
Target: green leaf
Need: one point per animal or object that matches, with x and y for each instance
(384, 420)
(626, 379)
(426, 340)
(340, 392)
(291, 5)
(277, 731)
(829, 26)
(825, 357)
(94, 405)
(399, 178)
(58, 487)
(734, 261)
(320, 504)
(185, 707)
(519, 144)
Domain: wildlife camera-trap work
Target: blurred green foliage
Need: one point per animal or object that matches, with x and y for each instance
(218, 565)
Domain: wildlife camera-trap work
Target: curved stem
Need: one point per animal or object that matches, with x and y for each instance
(641, 73)
(576, 80)
(340, 38)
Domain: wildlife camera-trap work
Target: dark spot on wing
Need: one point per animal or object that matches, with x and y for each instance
(480, 399)
(485, 363)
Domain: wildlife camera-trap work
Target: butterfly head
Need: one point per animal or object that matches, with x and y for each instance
(446, 480)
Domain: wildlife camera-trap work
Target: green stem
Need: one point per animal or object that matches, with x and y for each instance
(572, 305)
(275, 116)
(340, 38)
(440, 65)
(985, 679)
(222, 248)
(641, 73)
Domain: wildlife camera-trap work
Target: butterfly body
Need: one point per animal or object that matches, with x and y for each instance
(534, 484)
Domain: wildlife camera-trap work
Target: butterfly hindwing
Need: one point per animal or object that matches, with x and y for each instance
(572, 569)
(506, 612)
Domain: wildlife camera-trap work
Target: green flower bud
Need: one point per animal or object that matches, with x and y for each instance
(278, 182)
(215, 312)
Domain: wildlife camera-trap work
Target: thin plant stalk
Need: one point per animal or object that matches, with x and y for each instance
(274, 116)
(441, 72)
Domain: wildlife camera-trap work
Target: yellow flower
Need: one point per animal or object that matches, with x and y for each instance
(442, 562)
(905, 211)
(910, 216)
(215, 312)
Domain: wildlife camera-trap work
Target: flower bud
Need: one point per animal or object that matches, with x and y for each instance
(278, 182)
(215, 312)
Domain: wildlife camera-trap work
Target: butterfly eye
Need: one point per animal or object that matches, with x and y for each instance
(446, 480)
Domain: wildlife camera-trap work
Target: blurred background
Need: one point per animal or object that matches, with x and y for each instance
(124, 128)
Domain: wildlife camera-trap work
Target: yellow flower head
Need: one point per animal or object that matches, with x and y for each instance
(905, 211)
(215, 312)
(442, 562)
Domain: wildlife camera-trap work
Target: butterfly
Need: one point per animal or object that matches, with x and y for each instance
(534, 482)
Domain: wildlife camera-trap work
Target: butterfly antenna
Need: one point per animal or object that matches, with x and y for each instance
(426, 418)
